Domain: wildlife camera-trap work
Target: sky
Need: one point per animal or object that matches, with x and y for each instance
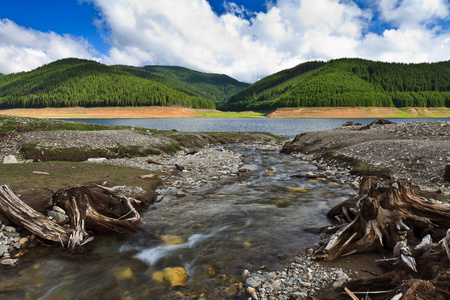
(246, 40)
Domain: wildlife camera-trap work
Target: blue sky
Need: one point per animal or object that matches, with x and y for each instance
(244, 39)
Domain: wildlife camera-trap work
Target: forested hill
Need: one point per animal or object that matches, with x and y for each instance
(78, 82)
(349, 82)
(217, 87)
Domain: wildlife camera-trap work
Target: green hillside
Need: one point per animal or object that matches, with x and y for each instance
(76, 82)
(350, 83)
(217, 87)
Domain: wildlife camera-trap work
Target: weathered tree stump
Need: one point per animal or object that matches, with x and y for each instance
(382, 214)
(387, 215)
(94, 208)
(99, 208)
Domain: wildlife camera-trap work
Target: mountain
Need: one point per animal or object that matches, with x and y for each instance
(216, 87)
(349, 82)
(77, 82)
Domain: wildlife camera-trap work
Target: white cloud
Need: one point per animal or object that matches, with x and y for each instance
(413, 13)
(243, 44)
(23, 49)
(239, 43)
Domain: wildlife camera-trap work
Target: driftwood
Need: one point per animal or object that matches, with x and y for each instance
(23, 215)
(94, 208)
(388, 216)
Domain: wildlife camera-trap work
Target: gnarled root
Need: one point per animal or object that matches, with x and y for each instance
(384, 213)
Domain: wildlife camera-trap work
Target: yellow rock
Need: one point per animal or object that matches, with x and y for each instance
(175, 276)
(247, 245)
(314, 180)
(123, 273)
(271, 172)
(158, 276)
(333, 184)
(297, 190)
(169, 239)
(242, 184)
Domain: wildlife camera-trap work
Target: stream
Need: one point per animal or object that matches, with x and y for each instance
(258, 219)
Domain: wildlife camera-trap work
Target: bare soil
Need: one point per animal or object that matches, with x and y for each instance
(156, 112)
(105, 113)
(359, 112)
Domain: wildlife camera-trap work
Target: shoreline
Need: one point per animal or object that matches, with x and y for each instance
(155, 112)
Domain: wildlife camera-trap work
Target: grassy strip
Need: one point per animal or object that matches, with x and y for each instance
(37, 189)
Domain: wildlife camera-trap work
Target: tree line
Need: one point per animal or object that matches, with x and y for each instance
(75, 82)
(351, 82)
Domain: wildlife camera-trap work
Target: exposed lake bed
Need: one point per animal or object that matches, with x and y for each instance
(243, 214)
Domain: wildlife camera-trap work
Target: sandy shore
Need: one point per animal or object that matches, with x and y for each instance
(176, 112)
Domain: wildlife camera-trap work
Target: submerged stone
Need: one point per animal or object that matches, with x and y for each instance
(172, 239)
(297, 190)
(158, 276)
(175, 276)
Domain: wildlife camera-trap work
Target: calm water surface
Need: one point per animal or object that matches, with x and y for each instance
(288, 127)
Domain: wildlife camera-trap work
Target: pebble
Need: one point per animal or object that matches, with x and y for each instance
(302, 277)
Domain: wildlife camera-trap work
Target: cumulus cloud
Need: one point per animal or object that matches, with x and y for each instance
(415, 35)
(23, 49)
(243, 44)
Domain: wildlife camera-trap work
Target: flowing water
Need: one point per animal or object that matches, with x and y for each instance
(238, 223)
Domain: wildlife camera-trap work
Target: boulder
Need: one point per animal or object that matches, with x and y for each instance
(10, 159)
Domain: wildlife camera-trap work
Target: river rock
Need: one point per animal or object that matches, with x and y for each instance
(9, 262)
(59, 209)
(3, 249)
(180, 194)
(10, 159)
(97, 160)
(175, 276)
(9, 229)
(58, 217)
(252, 282)
(343, 278)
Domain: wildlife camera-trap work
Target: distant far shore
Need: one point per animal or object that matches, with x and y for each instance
(177, 112)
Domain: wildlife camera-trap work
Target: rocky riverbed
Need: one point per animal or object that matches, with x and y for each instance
(414, 151)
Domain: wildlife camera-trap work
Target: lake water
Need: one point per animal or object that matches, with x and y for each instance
(288, 127)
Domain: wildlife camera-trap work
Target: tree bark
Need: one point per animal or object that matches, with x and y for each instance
(23, 215)
(97, 208)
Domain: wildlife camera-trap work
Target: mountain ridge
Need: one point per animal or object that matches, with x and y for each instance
(349, 82)
(78, 82)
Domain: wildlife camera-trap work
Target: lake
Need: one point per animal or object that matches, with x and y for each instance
(288, 127)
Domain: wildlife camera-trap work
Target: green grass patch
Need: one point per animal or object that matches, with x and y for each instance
(37, 189)
(231, 114)
(38, 153)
